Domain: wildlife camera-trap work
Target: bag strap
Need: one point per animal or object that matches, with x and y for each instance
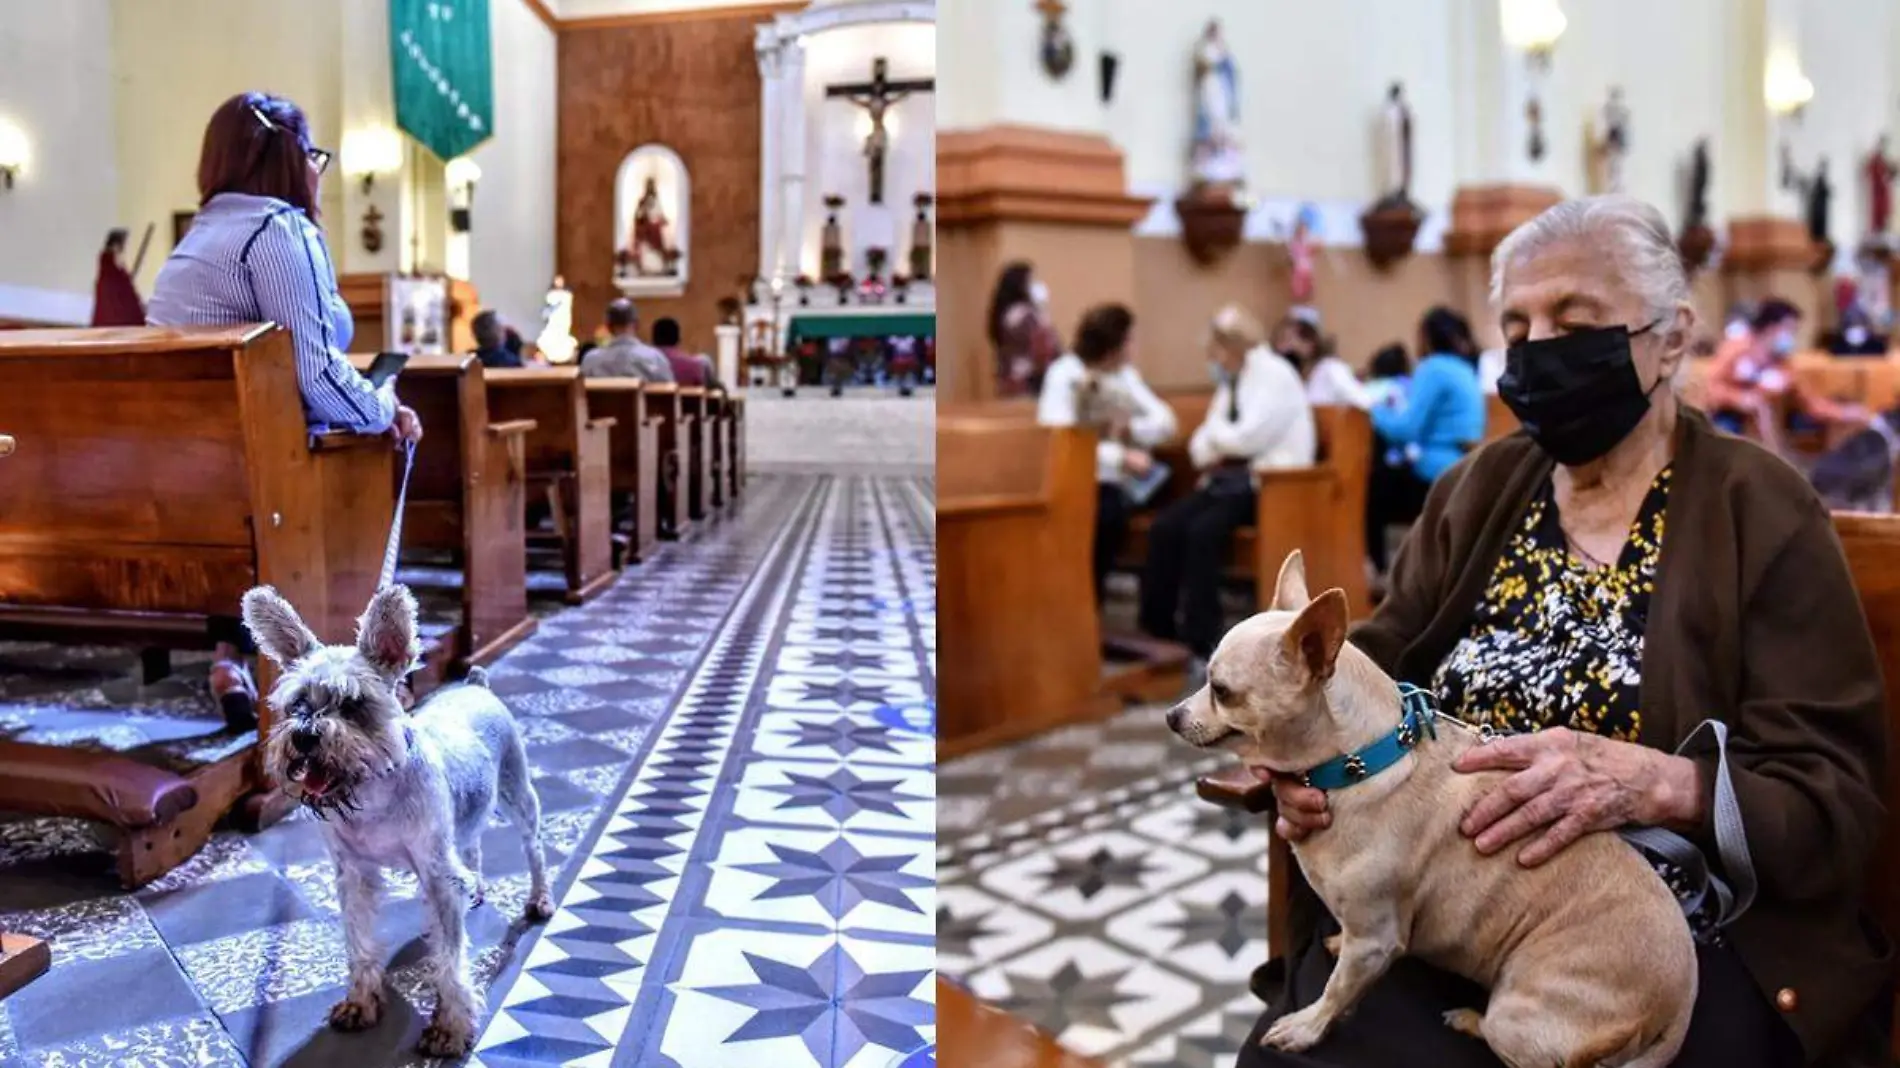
(1733, 897)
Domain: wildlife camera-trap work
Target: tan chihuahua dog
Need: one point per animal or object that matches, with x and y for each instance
(1588, 957)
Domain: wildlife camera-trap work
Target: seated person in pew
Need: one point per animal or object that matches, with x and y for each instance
(1258, 420)
(623, 354)
(1599, 586)
(1750, 375)
(1389, 375)
(255, 253)
(1329, 379)
(1097, 386)
(689, 368)
(1441, 420)
(491, 344)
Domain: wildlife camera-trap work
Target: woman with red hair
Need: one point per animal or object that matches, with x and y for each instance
(256, 254)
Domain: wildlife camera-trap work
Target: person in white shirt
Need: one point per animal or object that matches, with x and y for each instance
(1259, 420)
(1097, 386)
(1329, 379)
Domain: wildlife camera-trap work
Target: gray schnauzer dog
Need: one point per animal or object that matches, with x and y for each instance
(396, 790)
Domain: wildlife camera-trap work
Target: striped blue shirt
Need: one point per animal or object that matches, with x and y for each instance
(251, 259)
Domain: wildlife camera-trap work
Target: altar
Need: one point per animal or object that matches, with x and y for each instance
(848, 180)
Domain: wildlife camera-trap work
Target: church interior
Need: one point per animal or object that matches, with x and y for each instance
(605, 329)
(1130, 188)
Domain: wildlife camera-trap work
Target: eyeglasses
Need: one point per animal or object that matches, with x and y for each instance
(319, 158)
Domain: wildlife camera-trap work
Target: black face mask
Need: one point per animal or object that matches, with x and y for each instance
(1576, 394)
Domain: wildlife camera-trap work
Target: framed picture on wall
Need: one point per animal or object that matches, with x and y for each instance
(181, 222)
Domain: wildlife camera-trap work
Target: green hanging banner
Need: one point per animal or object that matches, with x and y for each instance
(443, 73)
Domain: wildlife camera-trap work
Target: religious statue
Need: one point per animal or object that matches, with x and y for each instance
(1218, 158)
(1395, 130)
(1610, 151)
(1820, 194)
(1057, 48)
(876, 97)
(556, 340)
(1696, 210)
(652, 254)
(831, 241)
(1880, 175)
(115, 299)
(1696, 241)
(1299, 249)
(921, 237)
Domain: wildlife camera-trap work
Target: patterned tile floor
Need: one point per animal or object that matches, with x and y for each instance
(1083, 887)
(733, 749)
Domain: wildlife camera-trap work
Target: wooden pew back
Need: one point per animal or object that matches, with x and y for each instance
(1015, 589)
(1872, 543)
(162, 472)
(555, 398)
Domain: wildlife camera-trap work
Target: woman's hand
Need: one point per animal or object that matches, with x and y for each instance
(1568, 784)
(408, 425)
(1137, 463)
(1302, 808)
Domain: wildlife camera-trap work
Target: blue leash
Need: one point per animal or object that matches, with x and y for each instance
(395, 524)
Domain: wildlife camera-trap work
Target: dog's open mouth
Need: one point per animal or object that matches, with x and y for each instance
(311, 778)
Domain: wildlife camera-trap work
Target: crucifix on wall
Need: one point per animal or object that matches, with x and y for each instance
(875, 97)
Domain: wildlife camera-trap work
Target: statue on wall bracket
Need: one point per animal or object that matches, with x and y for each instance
(1214, 212)
(1058, 48)
(1697, 240)
(1391, 226)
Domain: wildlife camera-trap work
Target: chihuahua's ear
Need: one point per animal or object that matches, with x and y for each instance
(1289, 590)
(275, 626)
(386, 635)
(1315, 638)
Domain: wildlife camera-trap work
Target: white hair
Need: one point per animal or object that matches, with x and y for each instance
(1632, 236)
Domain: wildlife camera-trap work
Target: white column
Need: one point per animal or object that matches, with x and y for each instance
(1781, 44)
(726, 359)
(770, 103)
(792, 158)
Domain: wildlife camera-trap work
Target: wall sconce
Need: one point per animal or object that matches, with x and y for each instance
(13, 152)
(461, 174)
(371, 152)
(1533, 27)
(1785, 89)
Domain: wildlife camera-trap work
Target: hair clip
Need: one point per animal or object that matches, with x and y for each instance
(261, 117)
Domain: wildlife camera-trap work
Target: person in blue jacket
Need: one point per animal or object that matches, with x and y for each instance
(1440, 419)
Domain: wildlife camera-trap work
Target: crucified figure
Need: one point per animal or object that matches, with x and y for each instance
(875, 97)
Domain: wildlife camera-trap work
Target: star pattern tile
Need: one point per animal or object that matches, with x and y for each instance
(635, 707)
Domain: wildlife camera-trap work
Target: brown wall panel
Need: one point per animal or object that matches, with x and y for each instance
(691, 84)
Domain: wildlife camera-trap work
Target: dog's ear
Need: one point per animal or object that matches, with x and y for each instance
(1289, 591)
(277, 628)
(386, 635)
(1315, 638)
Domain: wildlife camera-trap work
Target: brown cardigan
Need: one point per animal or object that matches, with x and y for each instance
(1754, 621)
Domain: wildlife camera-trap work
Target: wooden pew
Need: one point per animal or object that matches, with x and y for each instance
(972, 1033)
(735, 430)
(666, 406)
(1872, 545)
(159, 474)
(1319, 510)
(719, 449)
(468, 496)
(1015, 517)
(569, 457)
(636, 456)
(697, 472)
(1499, 420)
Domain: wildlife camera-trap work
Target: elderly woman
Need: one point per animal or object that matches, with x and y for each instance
(1598, 584)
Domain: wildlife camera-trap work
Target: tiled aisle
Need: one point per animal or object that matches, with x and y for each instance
(1086, 889)
(236, 957)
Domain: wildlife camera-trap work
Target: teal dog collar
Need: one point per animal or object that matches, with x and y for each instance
(1418, 719)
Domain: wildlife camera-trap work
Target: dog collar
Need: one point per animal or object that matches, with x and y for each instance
(1418, 719)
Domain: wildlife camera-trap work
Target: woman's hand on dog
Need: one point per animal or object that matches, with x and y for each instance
(1302, 808)
(1569, 783)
